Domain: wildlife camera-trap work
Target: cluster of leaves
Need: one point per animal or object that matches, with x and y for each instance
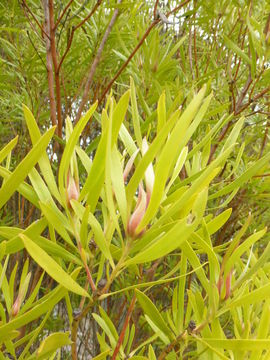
(101, 241)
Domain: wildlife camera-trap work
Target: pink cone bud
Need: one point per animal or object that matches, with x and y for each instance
(72, 189)
(16, 307)
(227, 285)
(138, 213)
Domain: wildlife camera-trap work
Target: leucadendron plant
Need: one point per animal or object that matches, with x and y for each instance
(121, 241)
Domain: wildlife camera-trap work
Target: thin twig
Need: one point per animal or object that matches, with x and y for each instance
(155, 9)
(31, 24)
(95, 63)
(122, 68)
(74, 28)
(36, 50)
(56, 73)
(123, 332)
(171, 346)
(256, 97)
(49, 65)
(74, 333)
(35, 19)
(63, 13)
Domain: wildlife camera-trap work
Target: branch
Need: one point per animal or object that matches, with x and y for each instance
(155, 9)
(55, 64)
(49, 64)
(122, 68)
(31, 24)
(123, 332)
(62, 15)
(243, 93)
(74, 28)
(35, 19)
(171, 346)
(256, 97)
(95, 63)
(36, 50)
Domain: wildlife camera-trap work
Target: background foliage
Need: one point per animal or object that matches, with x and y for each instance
(189, 80)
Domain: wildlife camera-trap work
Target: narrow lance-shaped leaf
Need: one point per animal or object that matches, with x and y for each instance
(24, 167)
(168, 156)
(51, 267)
(70, 146)
(8, 148)
(150, 309)
(44, 162)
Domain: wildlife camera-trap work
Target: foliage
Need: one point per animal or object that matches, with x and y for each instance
(133, 221)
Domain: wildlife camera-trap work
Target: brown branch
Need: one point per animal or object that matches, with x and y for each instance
(74, 332)
(123, 332)
(35, 19)
(74, 28)
(36, 50)
(56, 72)
(177, 8)
(155, 9)
(122, 68)
(30, 23)
(243, 93)
(49, 65)
(155, 22)
(95, 63)
(256, 97)
(62, 15)
(171, 346)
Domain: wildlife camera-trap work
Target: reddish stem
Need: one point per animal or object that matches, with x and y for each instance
(122, 334)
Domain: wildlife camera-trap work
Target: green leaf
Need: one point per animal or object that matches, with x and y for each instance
(9, 336)
(243, 178)
(100, 238)
(161, 112)
(135, 114)
(236, 49)
(163, 245)
(51, 267)
(24, 189)
(118, 184)
(149, 156)
(235, 256)
(44, 161)
(8, 148)
(103, 355)
(46, 305)
(150, 309)
(239, 344)
(69, 149)
(167, 157)
(51, 344)
(24, 167)
(58, 220)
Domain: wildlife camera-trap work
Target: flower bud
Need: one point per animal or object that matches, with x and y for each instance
(138, 213)
(16, 307)
(73, 190)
